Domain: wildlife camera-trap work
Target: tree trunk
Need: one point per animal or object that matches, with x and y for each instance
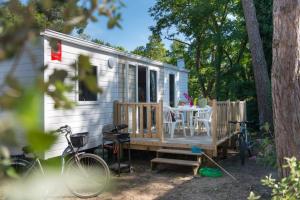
(198, 65)
(286, 80)
(262, 81)
(218, 63)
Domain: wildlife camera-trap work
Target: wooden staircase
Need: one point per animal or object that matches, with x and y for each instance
(163, 152)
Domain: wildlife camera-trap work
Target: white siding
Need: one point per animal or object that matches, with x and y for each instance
(91, 117)
(26, 69)
(84, 117)
(181, 85)
(29, 64)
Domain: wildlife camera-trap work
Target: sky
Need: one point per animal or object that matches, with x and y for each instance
(135, 23)
(135, 26)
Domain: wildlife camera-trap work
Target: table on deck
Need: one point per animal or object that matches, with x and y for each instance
(190, 111)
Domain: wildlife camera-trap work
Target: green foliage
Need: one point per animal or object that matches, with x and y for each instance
(85, 74)
(178, 50)
(28, 114)
(154, 49)
(4, 160)
(252, 196)
(266, 147)
(20, 27)
(86, 36)
(23, 22)
(288, 188)
(140, 50)
(218, 57)
(267, 152)
(98, 41)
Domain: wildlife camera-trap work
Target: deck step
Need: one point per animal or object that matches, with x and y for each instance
(194, 164)
(178, 151)
(176, 162)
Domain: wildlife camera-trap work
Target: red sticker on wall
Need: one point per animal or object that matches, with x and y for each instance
(56, 54)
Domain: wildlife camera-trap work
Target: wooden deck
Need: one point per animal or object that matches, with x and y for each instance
(149, 134)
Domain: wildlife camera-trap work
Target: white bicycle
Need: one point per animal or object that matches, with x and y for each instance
(90, 173)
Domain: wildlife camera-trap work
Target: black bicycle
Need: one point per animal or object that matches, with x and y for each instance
(86, 175)
(244, 142)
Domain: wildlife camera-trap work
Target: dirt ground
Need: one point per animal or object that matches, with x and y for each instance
(170, 182)
(176, 182)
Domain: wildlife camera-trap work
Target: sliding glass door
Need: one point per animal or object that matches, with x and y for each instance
(153, 86)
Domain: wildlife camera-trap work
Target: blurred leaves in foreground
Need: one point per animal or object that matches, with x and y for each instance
(21, 23)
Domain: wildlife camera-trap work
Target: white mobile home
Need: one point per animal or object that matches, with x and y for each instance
(123, 77)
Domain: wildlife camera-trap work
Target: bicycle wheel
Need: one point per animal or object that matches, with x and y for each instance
(20, 167)
(87, 175)
(242, 148)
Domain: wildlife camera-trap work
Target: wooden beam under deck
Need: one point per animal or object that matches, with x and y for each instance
(155, 145)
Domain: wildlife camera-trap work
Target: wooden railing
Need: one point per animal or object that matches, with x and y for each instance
(224, 111)
(143, 119)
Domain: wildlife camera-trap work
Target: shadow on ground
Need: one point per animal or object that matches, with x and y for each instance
(172, 182)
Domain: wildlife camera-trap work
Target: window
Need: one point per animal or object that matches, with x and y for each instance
(84, 93)
(153, 86)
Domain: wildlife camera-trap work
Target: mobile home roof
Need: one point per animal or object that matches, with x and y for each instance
(107, 49)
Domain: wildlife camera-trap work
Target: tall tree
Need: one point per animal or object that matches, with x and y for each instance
(154, 49)
(262, 81)
(264, 14)
(286, 80)
(214, 30)
(177, 51)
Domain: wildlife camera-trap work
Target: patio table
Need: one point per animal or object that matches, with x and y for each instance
(189, 110)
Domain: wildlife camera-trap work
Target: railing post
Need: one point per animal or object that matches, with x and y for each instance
(141, 120)
(238, 114)
(214, 122)
(134, 120)
(245, 107)
(228, 118)
(126, 110)
(116, 113)
(149, 120)
(244, 110)
(160, 121)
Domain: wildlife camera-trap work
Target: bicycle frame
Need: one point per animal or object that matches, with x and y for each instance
(68, 151)
(35, 163)
(243, 130)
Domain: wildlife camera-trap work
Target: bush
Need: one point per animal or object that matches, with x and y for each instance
(266, 147)
(266, 152)
(287, 188)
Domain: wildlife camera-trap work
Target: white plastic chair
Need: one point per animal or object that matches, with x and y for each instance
(171, 121)
(204, 117)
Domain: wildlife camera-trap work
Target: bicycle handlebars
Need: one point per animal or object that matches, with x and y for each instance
(64, 129)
